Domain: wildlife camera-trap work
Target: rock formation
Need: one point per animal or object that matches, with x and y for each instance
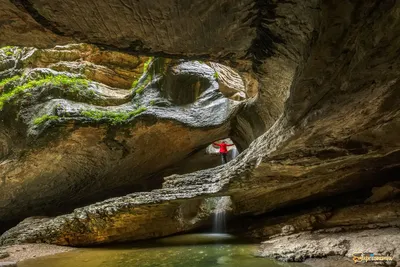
(230, 82)
(317, 245)
(65, 131)
(324, 122)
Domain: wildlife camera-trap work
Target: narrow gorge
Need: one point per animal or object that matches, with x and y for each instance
(109, 111)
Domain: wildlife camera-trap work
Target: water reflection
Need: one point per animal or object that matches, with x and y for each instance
(203, 250)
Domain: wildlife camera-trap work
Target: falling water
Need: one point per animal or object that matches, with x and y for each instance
(234, 153)
(219, 223)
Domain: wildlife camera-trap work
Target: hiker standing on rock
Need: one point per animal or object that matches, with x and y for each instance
(223, 150)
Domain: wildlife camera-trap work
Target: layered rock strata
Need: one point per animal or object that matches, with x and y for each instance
(64, 133)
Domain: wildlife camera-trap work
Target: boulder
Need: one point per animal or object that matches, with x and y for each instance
(386, 192)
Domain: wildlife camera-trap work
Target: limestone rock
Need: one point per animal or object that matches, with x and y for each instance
(133, 217)
(4, 254)
(112, 68)
(230, 82)
(8, 264)
(349, 218)
(386, 192)
(299, 247)
(74, 134)
(25, 30)
(192, 25)
(288, 229)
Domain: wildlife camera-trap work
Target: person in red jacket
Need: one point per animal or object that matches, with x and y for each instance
(223, 150)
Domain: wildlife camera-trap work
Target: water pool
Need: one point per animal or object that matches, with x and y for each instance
(197, 250)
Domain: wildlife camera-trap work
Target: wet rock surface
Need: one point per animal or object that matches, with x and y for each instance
(132, 217)
(23, 252)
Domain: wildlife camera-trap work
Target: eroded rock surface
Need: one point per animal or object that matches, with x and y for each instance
(65, 133)
(230, 82)
(112, 68)
(184, 28)
(348, 218)
(133, 217)
(299, 247)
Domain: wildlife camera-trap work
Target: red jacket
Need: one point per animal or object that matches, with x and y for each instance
(222, 147)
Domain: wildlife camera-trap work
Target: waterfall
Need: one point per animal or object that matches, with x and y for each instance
(219, 217)
(234, 152)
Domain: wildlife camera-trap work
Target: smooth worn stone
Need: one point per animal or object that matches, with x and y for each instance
(8, 264)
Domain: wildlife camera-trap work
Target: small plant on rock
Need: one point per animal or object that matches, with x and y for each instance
(8, 80)
(146, 64)
(70, 83)
(114, 117)
(44, 118)
(216, 75)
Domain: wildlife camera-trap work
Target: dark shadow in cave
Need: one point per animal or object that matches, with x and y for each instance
(324, 202)
(205, 157)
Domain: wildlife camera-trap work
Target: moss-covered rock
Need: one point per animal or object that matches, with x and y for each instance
(69, 131)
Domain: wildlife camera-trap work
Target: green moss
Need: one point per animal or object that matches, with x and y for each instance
(9, 50)
(7, 80)
(134, 84)
(90, 93)
(146, 64)
(216, 75)
(60, 80)
(44, 118)
(144, 84)
(148, 78)
(63, 80)
(112, 116)
(140, 89)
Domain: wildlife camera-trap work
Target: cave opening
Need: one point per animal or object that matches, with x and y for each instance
(203, 158)
(206, 91)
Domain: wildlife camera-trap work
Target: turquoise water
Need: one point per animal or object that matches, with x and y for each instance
(198, 250)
